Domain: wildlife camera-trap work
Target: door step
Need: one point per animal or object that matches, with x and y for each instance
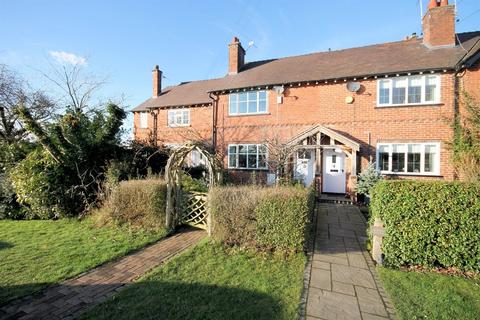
(325, 198)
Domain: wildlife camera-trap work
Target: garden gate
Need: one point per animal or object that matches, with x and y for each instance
(189, 208)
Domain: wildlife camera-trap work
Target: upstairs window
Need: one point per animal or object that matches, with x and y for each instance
(252, 102)
(411, 90)
(143, 120)
(247, 156)
(409, 158)
(179, 118)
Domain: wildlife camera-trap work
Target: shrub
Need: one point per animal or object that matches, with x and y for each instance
(274, 218)
(283, 218)
(432, 223)
(367, 179)
(233, 213)
(136, 203)
(43, 185)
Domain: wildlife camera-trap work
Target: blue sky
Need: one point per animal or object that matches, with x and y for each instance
(123, 40)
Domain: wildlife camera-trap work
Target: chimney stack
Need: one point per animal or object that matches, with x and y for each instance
(236, 56)
(439, 24)
(157, 81)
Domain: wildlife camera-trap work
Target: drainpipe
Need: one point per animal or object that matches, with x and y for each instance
(214, 98)
(154, 114)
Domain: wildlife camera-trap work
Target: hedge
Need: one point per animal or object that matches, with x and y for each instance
(136, 203)
(429, 223)
(272, 218)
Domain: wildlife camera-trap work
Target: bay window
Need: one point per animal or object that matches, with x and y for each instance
(409, 158)
(411, 90)
(247, 156)
(252, 102)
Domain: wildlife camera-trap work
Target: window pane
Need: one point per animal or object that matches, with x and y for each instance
(242, 97)
(262, 95)
(252, 160)
(186, 117)
(383, 158)
(262, 149)
(252, 96)
(430, 151)
(242, 160)
(232, 160)
(242, 148)
(430, 88)
(262, 106)
(415, 90)
(398, 158)
(242, 107)
(252, 106)
(414, 153)
(384, 92)
(233, 104)
(262, 161)
(399, 91)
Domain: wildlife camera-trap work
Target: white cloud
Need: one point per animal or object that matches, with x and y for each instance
(68, 58)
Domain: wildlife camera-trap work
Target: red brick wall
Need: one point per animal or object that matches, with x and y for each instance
(306, 106)
(200, 127)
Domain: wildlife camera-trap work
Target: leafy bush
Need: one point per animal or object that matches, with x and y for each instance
(42, 183)
(367, 179)
(283, 217)
(430, 223)
(274, 218)
(192, 184)
(136, 203)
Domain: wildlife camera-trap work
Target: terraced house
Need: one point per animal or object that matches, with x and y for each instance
(391, 103)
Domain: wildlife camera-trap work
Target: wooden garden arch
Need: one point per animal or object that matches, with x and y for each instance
(173, 172)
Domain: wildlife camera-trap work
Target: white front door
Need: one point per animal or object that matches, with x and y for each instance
(333, 171)
(304, 167)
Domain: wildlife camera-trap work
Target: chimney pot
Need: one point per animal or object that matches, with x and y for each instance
(432, 4)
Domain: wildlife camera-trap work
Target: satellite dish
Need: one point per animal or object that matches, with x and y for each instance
(279, 89)
(353, 86)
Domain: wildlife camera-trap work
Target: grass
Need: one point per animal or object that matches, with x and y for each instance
(419, 295)
(34, 254)
(212, 282)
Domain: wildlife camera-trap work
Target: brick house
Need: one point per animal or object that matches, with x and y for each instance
(391, 103)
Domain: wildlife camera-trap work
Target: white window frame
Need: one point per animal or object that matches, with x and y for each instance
(237, 113)
(423, 78)
(178, 117)
(422, 158)
(143, 120)
(237, 157)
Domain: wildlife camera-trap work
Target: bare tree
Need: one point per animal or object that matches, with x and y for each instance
(76, 87)
(280, 153)
(14, 94)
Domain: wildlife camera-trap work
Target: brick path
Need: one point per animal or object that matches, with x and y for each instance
(343, 281)
(72, 297)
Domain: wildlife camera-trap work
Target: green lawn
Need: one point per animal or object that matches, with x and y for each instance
(211, 282)
(432, 296)
(34, 254)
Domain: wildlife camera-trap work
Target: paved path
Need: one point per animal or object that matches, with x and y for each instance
(72, 297)
(343, 280)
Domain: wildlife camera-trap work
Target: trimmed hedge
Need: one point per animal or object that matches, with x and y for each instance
(136, 203)
(272, 218)
(429, 223)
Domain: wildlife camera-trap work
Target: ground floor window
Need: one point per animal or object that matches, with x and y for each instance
(247, 156)
(409, 158)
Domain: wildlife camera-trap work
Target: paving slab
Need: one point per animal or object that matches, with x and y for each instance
(343, 279)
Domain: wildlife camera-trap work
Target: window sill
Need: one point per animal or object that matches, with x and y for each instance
(410, 174)
(249, 114)
(248, 169)
(179, 126)
(436, 104)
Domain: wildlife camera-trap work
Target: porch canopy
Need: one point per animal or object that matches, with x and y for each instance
(319, 137)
